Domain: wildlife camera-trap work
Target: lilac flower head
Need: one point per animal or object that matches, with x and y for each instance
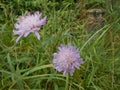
(30, 23)
(67, 59)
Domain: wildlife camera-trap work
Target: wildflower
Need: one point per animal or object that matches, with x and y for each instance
(30, 23)
(67, 59)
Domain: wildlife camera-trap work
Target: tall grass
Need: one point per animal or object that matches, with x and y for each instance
(28, 64)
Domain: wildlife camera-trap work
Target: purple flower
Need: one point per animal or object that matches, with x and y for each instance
(67, 59)
(30, 23)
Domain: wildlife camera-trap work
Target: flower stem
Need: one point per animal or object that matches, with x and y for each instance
(67, 82)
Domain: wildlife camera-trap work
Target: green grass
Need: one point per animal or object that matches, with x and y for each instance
(28, 64)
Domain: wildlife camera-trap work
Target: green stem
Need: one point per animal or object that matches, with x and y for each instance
(67, 82)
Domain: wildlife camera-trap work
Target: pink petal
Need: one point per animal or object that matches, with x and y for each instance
(26, 34)
(18, 38)
(37, 34)
(42, 21)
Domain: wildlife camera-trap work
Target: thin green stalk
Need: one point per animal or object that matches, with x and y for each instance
(67, 82)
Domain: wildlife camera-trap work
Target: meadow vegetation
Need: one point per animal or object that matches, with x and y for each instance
(28, 64)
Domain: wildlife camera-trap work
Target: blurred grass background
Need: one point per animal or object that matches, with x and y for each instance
(28, 64)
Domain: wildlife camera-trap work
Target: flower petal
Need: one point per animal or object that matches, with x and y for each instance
(38, 35)
(18, 38)
(26, 34)
(42, 21)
